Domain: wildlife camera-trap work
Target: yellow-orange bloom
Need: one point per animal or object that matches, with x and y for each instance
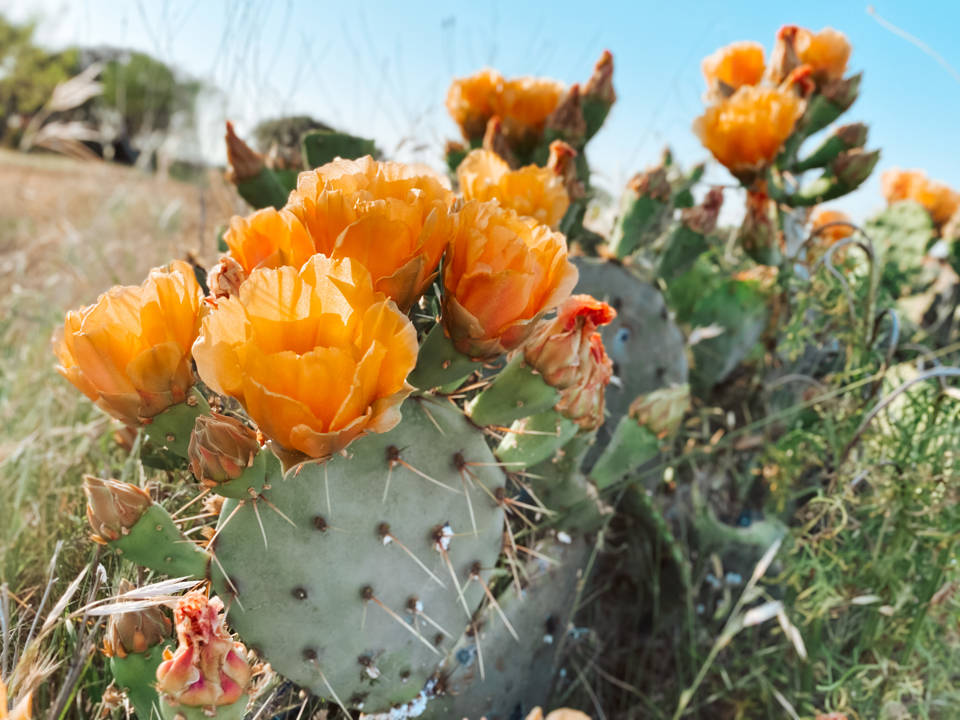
(830, 234)
(746, 131)
(532, 191)
(268, 238)
(316, 357)
(559, 714)
(740, 63)
(396, 219)
(473, 100)
(502, 272)
(826, 52)
(130, 351)
(525, 104)
(21, 711)
(938, 199)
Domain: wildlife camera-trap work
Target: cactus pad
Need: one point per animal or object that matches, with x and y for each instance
(331, 600)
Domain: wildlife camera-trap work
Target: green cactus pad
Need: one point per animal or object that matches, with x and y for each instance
(440, 363)
(323, 146)
(535, 439)
(236, 711)
(265, 189)
(631, 446)
(170, 430)
(516, 392)
(326, 601)
(155, 542)
(136, 673)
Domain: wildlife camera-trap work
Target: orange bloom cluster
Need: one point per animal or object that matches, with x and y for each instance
(754, 108)
(129, 352)
(523, 103)
(830, 233)
(938, 199)
(533, 191)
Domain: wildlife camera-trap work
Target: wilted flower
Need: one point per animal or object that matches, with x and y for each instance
(113, 507)
(243, 162)
(737, 64)
(532, 191)
(268, 238)
(473, 100)
(130, 351)
(559, 348)
(501, 274)
(317, 358)
(938, 199)
(396, 219)
(661, 411)
(746, 131)
(221, 448)
(21, 711)
(208, 667)
(826, 52)
(225, 278)
(135, 631)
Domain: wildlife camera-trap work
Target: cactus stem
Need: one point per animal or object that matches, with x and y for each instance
(405, 624)
(263, 533)
(475, 575)
(389, 537)
(422, 474)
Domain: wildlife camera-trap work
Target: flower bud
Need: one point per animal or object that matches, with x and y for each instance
(243, 162)
(558, 349)
(221, 448)
(562, 162)
(208, 667)
(567, 120)
(113, 507)
(495, 141)
(853, 167)
(662, 411)
(226, 277)
(784, 59)
(702, 218)
(600, 84)
(136, 631)
(582, 402)
(758, 232)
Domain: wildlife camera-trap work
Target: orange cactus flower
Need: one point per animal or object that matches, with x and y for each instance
(740, 63)
(316, 357)
(826, 52)
(268, 238)
(526, 103)
(532, 191)
(938, 199)
(746, 131)
(830, 234)
(396, 219)
(559, 714)
(473, 100)
(21, 711)
(502, 272)
(208, 667)
(130, 351)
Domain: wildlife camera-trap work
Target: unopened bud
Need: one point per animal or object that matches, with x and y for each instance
(784, 58)
(113, 507)
(843, 91)
(652, 183)
(226, 277)
(567, 122)
(221, 448)
(662, 411)
(495, 140)
(563, 162)
(600, 84)
(758, 232)
(136, 631)
(702, 218)
(854, 166)
(243, 162)
(583, 402)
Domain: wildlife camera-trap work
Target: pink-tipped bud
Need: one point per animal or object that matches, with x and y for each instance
(208, 667)
(583, 402)
(662, 411)
(563, 163)
(136, 631)
(113, 507)
(600, 84)
(221, 448)
(243, 162)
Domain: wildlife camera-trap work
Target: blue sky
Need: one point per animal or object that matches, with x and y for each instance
(382, 69)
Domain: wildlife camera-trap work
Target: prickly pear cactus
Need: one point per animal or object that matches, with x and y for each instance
(362, 585)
